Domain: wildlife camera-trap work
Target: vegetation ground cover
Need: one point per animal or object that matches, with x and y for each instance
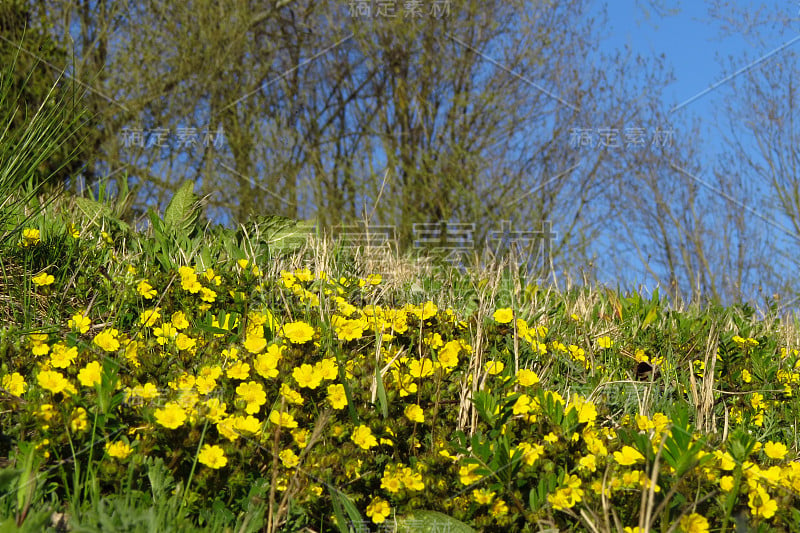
(155, 383)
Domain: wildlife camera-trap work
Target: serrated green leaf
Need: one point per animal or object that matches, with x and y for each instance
(181, 213)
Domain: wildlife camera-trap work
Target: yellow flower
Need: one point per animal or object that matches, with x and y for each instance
(254, 343)
(526, 377)
(420, 368)
(239, 370)
(628, 456)
(14, 384)
(289, 458)
(282, 419)
(349, 330)
(78, 420)
(247, 425)
(589, 462)
(337, 396)
(179, 320)
(298, 332)
(775, 450)
(327, 368)
(414, 413)
(499, 508)
(171, 416)
(523, 405)
(253, 394)
(306, 376)
(52, 381)
(43, 279)
(363, 437)
(91, 374)
(212, 456)
(504, 315)
(150, 316)
(494, 367)
(146, 290)
(483, 496)
(726, 483)
(605, 342)
(530, 452)
(119, 449)
(63, 357)
(107, 340)
(694, 523)
(79, 322)
(378, 510)
(30, 237)
(761, 504)
(467, 475)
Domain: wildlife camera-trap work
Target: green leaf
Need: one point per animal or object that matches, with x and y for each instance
(181, 213)
(651, 315)
(340, 500)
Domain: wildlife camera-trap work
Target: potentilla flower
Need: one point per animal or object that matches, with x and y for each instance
(336, 396)
(107, 340)
(282, 419)
(289, 458)
(146, 290)
(52, 381)
(483, 496)
(150, 316)
(172, 416)
(350, 330)
(420, 368)
(306, 376)
(628, 456)
(254, 343)
(605, 342)
(327, 368)
(14, 383)
(414, 413)
(189, 280)
(298, 332)
(494, 367)
(694, 523)
(761, 504)
(62, 357)
(30, 237)
(504, 315)
(363, 437)
(775, 450)
(43, 279)
(78, 420)
(164, 333)
(526, 377)
(247, 425)
(119, 449)
(91, 374)
(79, 322)
(238, 370)
(467, 475)
(253, 395)
(378, 510)
(212, 456)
